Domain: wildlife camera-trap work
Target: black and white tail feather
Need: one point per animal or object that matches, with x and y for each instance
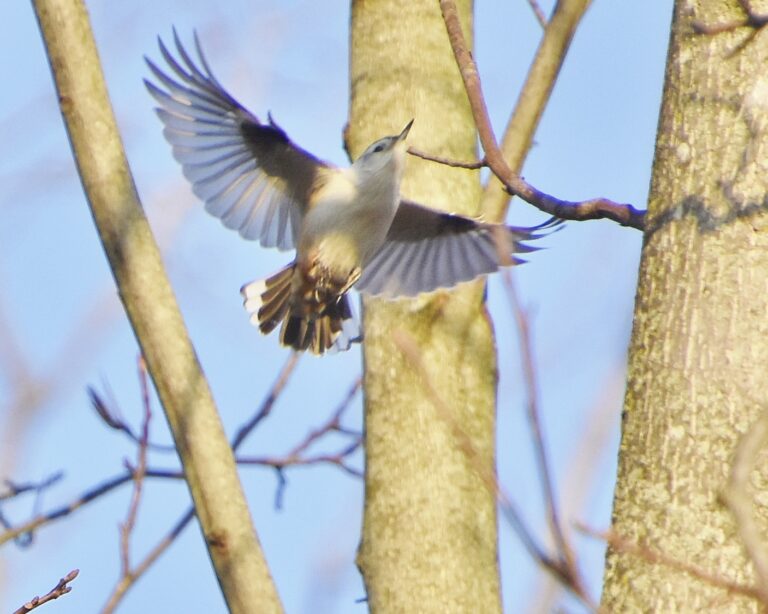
(269, 303)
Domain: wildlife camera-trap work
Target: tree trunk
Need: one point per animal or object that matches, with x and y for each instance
(429, 531)
(209, 465)
(698, 365)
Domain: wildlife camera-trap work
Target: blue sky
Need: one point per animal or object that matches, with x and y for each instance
(59, 309)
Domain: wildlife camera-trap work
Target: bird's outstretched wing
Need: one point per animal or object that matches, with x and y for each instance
(249, 174)
(427, 249)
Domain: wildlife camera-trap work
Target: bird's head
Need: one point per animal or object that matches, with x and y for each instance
(386, 153)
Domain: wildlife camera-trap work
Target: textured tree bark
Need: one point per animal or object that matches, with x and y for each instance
(429, 532)
(699, 351)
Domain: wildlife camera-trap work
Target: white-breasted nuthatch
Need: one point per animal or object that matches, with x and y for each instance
(349, 226)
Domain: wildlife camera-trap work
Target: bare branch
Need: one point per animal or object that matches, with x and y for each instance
(269, 400)
(538, 12)
(473, 165)
(264, 410)
(581, 473)
(533, 98)
(110, 415)
(107, 486)
(333, 423)
(281, 462)
(16, 489)
(87, 497)
(648, 554)
(62, 588)
(532, 410)
(296, 456)
(127, 577)
(595, 208)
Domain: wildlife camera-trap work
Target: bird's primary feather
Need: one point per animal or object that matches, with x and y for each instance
(249, 174)
(427, 249)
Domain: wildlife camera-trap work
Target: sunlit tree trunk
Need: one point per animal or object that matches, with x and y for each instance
(429, 534)
(698, 365)
(209, 465)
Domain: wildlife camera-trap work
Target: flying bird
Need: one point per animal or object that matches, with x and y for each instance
(349, 226)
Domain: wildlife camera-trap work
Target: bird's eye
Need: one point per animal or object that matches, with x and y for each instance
(378, 148)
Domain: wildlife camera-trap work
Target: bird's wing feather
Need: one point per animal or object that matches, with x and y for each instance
(249, 174)
(427, 249)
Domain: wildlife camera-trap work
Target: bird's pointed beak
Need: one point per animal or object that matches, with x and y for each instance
(404, 133)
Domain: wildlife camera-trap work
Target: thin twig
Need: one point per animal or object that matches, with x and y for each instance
(281, 462)
(14, 533)
(62, 588)
(138, 482)
(129, 579)
(16, 489)
(127, 576)
(333, 424)
(741, 505)
(538, 12)
(535, 94)
(624, 545)
(269, 401)
(473, 165)
(264, 410)
(590, 444)
(595, 208)
(112, 418)
(532, 411)
(87, 497)
(296, 458)
(262, 413)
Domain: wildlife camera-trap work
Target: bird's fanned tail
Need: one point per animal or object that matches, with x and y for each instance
(270, 301)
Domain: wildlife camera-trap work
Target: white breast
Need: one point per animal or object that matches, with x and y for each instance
(349, 220)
